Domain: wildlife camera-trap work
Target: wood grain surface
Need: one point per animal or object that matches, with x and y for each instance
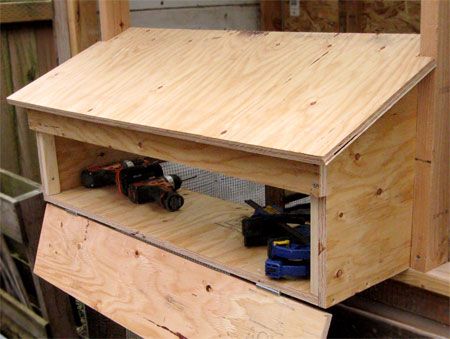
(283, 173)
(436, 280)
(158, 294)
(369, 206)
(301, 96)
(206, 229)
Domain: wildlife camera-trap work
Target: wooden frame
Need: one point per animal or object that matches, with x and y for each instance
(341, 266)
(432, 197)
(431, 218)
(333, 276)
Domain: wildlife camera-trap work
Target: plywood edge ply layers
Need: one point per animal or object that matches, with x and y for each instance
(155, 293)
(298, 96)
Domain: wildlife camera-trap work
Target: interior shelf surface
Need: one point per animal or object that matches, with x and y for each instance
(205, 229)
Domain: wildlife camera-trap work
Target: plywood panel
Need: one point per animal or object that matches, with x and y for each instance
(155, 293)
(205, 228)
(300, 96)
(369, 206)
(313, 16)
(74, 156)
(263, 169)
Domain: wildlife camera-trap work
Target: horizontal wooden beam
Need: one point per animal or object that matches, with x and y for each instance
(277, 172)
(437, 280)
(26, 11)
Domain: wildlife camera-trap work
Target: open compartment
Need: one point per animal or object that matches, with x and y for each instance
(206, 230)
(329, 115)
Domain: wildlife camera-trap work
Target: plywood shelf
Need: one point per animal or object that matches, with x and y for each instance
(206, 230)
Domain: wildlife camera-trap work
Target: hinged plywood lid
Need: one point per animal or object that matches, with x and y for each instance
(300, 96)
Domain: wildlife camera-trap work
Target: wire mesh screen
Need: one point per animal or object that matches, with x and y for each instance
(217, 185)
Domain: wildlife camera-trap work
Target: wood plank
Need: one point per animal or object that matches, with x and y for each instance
(415, 300)
(114, 17)
(9, 268)
(300, 96)
(121, 277)
(83, 24)
(142, 5)
(48, 163)
(13, 191)
(219, 229)
(281, 173)
(431, 218)
(9, 154)
(270, 12)
(17, 317)
(436, 280)
(369, 206)
(22, 11)
(74, 156)
(61, 29)
(24, 69)
(205, 17)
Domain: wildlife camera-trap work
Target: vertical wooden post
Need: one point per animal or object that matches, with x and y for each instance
(61, 30)
(83, 24)
(48, 163)
(114, 17)
(431, 188)
(271, 16)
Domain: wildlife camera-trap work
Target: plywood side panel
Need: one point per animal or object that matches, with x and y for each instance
(74, 156)
(369, 206)
(281, 173)
(155, 293)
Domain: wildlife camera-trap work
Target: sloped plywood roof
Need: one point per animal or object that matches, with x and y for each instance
(300, 96)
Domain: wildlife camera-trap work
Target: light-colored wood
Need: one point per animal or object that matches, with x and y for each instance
(317, 238)
(155, 293)
(281, 173)
(48, 163)
(431, 218)
(301, 96)
(437, 280)
(369, 205)
(21, 11)
(114, 17)
(74, 156)
(83, 24)
(206, 229)
(61, 30)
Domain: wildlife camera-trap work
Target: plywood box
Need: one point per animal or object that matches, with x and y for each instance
(329, 115)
